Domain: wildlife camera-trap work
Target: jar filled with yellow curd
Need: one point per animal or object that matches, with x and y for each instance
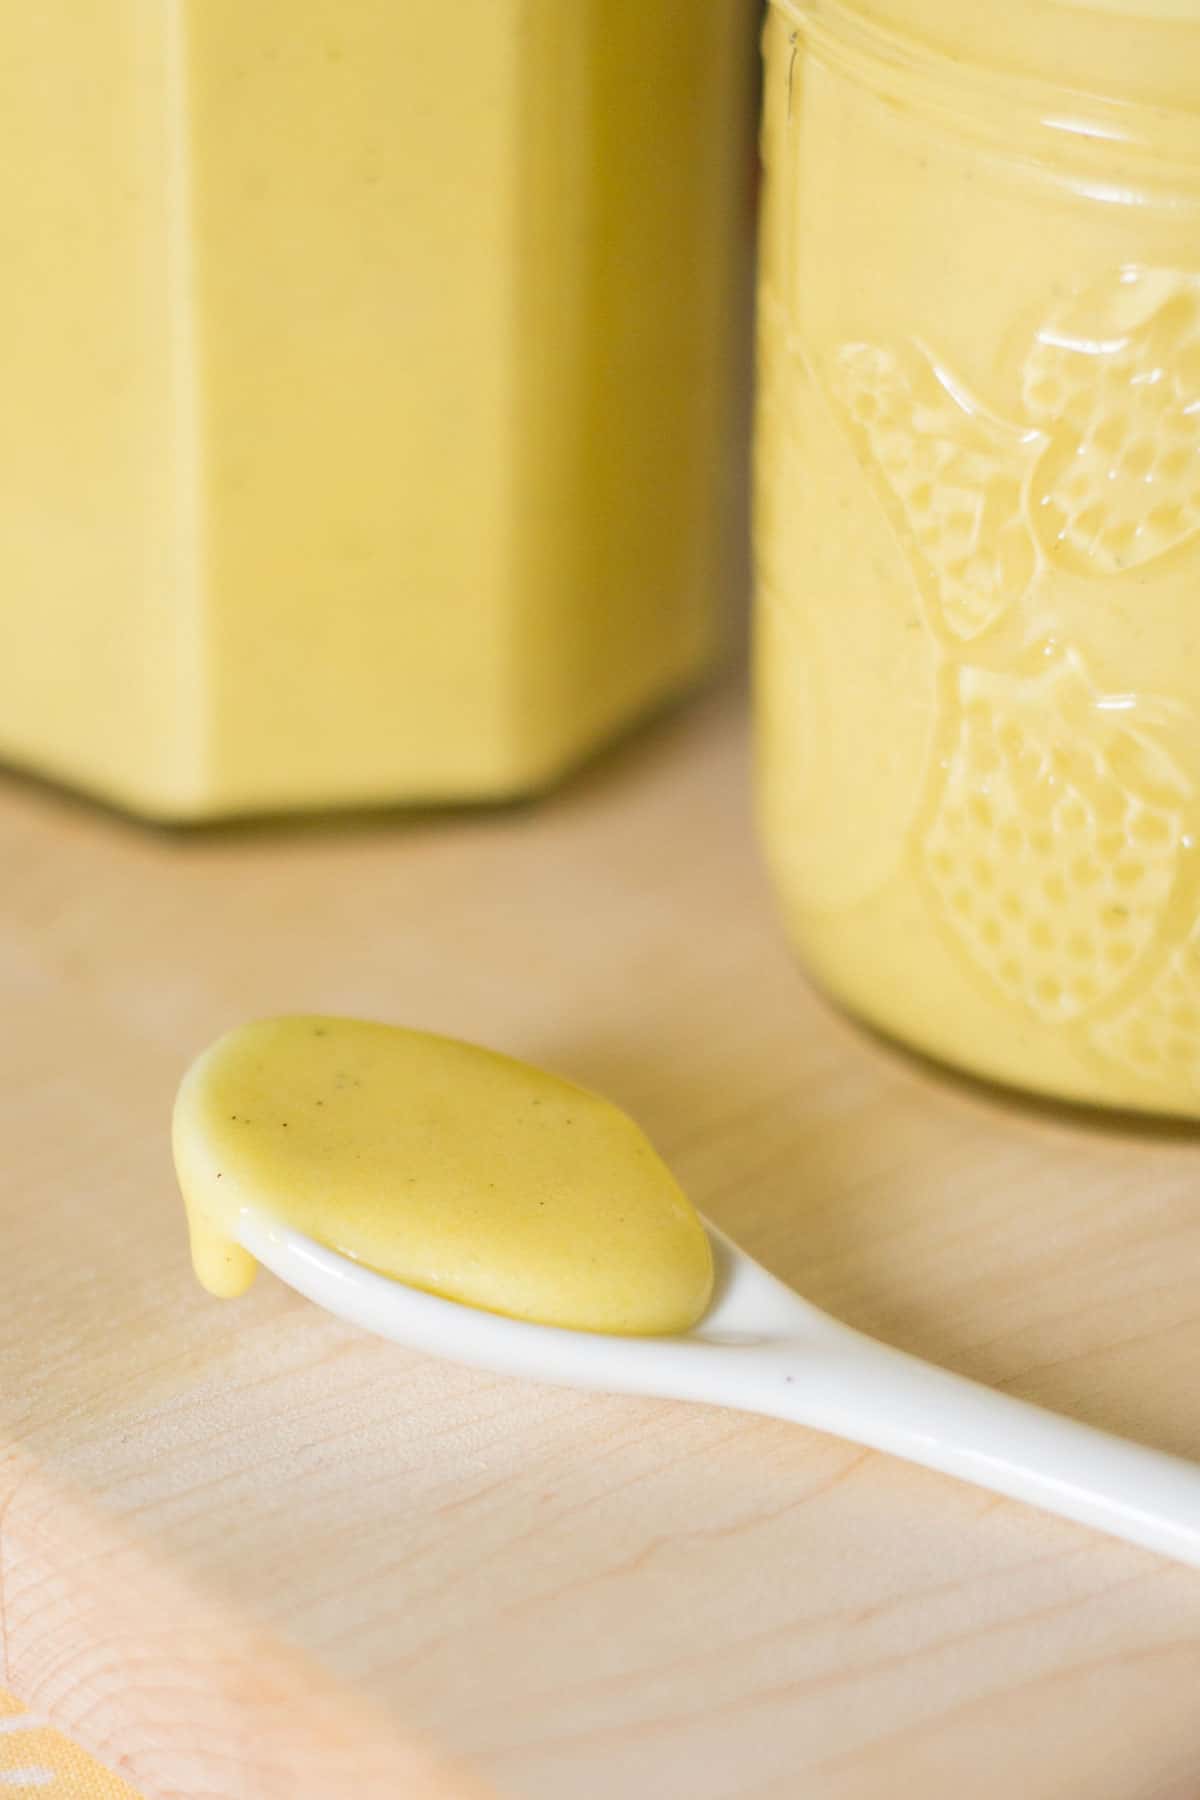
(369, 387)
(978, 529)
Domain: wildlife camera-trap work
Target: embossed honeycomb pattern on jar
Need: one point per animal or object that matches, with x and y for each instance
(955, 475)
(1158, 1036)
(1114, 379)
(1054, 841)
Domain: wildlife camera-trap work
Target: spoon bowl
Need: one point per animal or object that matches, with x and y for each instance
(762, 1348)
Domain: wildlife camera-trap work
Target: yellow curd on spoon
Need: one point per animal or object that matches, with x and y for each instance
(440, 1164)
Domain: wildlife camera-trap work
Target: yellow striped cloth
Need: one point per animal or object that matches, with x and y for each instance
(39, 1763)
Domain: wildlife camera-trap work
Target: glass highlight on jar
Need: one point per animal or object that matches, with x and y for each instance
(978, 529)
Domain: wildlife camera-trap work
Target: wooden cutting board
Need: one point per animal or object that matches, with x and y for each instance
(246, 1552)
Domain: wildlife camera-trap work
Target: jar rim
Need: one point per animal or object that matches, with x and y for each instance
(1109, 53)
(1103, 83)
(1188, 11)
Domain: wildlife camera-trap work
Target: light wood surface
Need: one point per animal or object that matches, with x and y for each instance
(242, 1545)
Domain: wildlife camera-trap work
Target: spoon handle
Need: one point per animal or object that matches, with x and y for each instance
(856, 1388)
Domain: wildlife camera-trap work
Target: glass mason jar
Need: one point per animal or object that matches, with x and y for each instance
(368, 371)
(978, 529)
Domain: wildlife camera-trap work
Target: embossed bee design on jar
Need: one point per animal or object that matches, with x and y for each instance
(978, 529)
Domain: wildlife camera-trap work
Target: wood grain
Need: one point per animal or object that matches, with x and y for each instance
(580, 1596)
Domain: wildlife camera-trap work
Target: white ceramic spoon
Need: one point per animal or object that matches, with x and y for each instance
(763, 1349)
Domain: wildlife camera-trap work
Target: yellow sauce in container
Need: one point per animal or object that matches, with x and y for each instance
(368, 370)
(978, 533)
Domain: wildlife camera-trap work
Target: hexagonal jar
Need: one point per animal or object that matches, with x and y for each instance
(367, 375)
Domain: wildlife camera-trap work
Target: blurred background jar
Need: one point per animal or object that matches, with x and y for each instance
(369, 374)
(978, 529)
